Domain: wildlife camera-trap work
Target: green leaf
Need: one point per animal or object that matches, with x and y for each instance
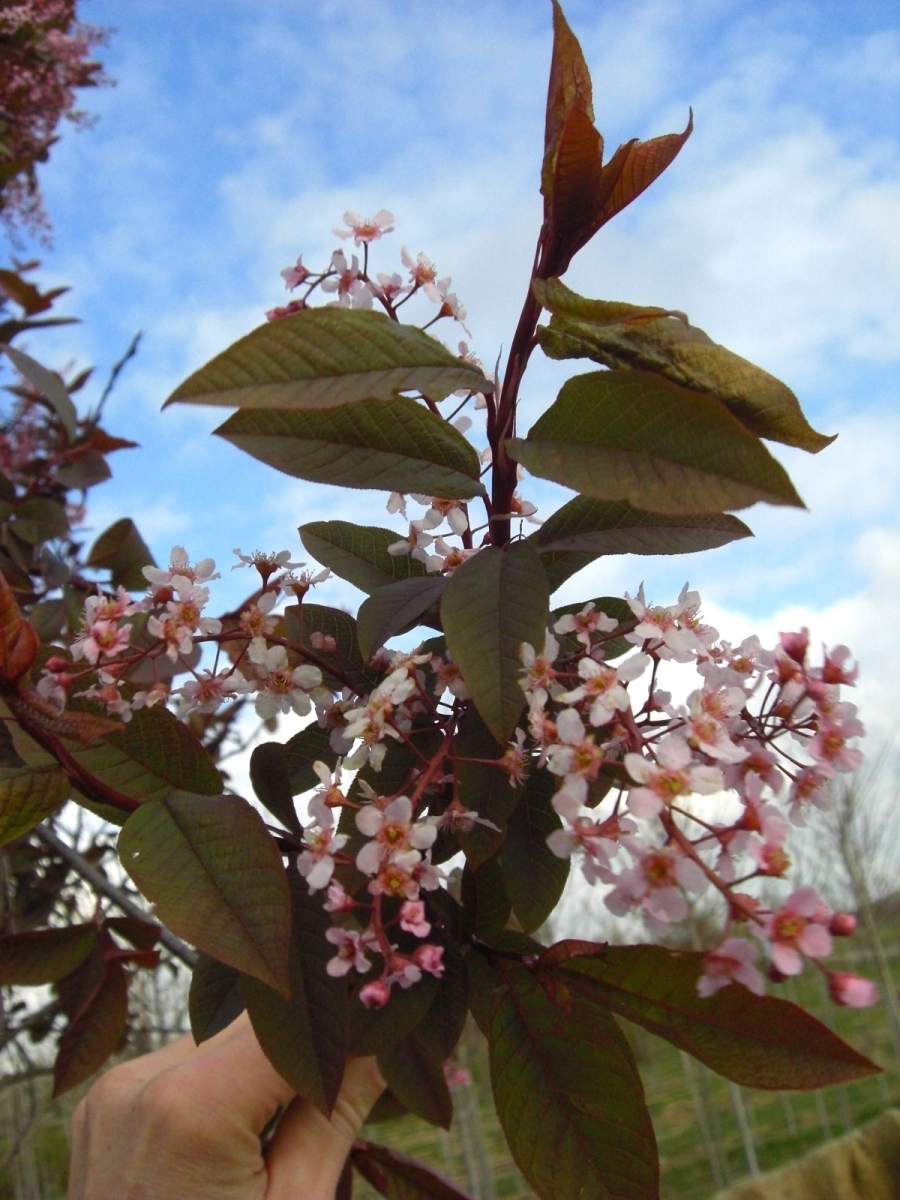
(482, 788)
(493, 603)
(486, 906)
(216, 878)
(416, 1077)
(44, 955)
(122, 550)
(303, 749)
(568, 1095)
(270, 774)
(150, 755)
(613, 527)
(358, 553)
(396, 445)
(28, 796)
(398, 1177)
(305, 1038)
(303, 621)
(39, 520)
(755, 1040)
(395, 609)
(630, 435)
(214, 998)
(533, 876)
(620, 336)
(85, 471)
(48, 383)
(94, 1033)
(553, 295)
(324, 357)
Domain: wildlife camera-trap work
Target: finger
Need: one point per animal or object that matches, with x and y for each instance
(309, 1149)
(231, 1073)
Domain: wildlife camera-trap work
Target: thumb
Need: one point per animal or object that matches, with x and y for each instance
(309, 1149)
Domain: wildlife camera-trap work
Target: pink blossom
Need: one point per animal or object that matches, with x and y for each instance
(180, 568)
(583, 624)
(337, 900)
(655, 883)
(422, 271)
(430, 958)
(351, 948)
(295, 275)
(344, 279)
(393, 831)
(395, 877)
(666, 625)
(316, 862)
(282, 689)
(852, 990)
(733, 960)
(798, 928)
(366, 229)
(829, 746)
(375, 994)
(413, 919)
(593, 838)
(672, 778)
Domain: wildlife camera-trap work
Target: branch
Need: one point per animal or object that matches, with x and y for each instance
(98, 880)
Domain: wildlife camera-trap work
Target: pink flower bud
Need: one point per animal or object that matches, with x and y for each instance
(56, 663)
(795, 645)
(843, 924)
(852, 990)
(430, 958)
(375, 994)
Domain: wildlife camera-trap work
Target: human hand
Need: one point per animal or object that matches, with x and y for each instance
(184, 1122)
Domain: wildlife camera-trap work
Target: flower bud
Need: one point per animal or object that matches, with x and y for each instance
(795, 645)
(56, 663)
(843, 924)
(852, 990)
(375, 994)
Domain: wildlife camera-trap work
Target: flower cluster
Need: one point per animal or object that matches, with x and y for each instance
(352, 285)
(394, 859)
(46, 58)
(162, 635)
(760, 740)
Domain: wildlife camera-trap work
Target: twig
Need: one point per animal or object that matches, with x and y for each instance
(98, 880)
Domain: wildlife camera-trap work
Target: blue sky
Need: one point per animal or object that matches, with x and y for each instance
(239, 132)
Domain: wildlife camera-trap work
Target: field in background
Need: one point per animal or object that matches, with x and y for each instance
(710, 1133)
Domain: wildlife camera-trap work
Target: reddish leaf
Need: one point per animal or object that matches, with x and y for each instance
(122, 549)
(398, 1177)
(561, 952)
(216, 878)
(214, 999)
(94, 1033)
(569, 86)
(759, 1041)
(633, 167)
(414, 1067)
(44, 955)
(577, 183)
(305, 1038)
(105, 443)
(568, 1094)
(142, 934)
(18, 640)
